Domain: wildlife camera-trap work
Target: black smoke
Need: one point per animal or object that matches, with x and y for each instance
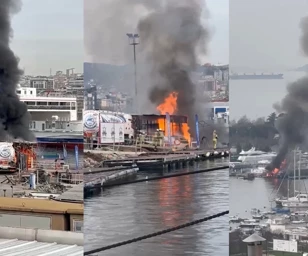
(293, 125)
(171, 37)
(14, 117)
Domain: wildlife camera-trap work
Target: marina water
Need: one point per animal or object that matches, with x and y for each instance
(254, 99)
(258, 193)
(129, 211)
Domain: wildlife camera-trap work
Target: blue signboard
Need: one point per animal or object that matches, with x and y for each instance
(76, 157)
(64, 152)
(168, 128)
(197, 130)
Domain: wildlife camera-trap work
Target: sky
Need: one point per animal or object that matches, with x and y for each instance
(112, 47)
(218, 51)
(48, 34)
(264, 35)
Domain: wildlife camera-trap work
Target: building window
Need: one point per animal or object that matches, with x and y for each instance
(53, 104)
(41, 103)
(30, 103)
(78, 226)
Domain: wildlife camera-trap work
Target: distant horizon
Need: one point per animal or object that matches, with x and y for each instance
(128, 64)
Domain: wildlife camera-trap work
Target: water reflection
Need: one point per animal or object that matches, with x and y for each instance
(260, 193)
(125, 212)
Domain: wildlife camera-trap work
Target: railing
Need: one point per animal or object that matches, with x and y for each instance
(51, 107)
(149, 141)
(75, 178)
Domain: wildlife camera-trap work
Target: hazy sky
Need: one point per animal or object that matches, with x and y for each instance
(49, 34)
(219, 24)
(265, 34)
(114, 46)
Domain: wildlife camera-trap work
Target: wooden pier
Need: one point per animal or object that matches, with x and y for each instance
(116, 170)
(166, 160)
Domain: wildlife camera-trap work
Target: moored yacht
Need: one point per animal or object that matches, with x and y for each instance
(254, 156)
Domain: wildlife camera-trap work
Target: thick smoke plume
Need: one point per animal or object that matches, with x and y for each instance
(293, 124)
(171, 37)
(14, 117)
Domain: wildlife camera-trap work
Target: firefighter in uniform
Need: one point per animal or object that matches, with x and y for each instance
(215, 138)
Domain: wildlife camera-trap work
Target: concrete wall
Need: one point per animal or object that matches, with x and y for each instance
(18, 219)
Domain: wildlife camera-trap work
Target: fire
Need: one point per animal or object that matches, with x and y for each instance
(275, 171)
(169, 105)
(185, 131)
(161, 125)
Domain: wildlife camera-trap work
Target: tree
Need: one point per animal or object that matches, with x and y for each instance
(271, 119)
(258, 133)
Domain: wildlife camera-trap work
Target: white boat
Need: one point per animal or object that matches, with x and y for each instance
(300, 200)
(296, 199)
(258, 217)
(235, 219)
(258, 171)
(254, 156)
(249, 224)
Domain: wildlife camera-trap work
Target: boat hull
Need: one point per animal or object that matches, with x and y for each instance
(256, 77)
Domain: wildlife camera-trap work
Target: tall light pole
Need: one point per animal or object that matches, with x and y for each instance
(133, 40)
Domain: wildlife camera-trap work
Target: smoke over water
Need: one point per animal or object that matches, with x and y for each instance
(293, 124)
(14, 117)
(171, 38)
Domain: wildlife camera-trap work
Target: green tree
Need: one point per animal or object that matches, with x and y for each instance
(259, 133)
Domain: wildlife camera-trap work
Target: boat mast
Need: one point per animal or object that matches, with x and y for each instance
(299, 169)
(294, 172)
(288, 186)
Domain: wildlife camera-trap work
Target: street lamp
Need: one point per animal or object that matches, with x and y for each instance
(134, 40)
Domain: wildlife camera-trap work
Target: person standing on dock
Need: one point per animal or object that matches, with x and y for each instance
(215, 138)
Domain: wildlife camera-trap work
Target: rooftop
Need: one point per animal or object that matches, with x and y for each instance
(10, 247)
(39, 205)
(254, 238)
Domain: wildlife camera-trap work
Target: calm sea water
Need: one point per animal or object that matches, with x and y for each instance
(259, 193)
(255, 98)
(129, 211)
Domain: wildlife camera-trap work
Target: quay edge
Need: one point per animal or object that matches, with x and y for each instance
(94, 182)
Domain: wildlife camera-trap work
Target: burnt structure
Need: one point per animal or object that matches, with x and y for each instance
(150, 123)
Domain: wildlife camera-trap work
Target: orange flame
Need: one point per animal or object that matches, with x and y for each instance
(275, 171)
(185, 131)
(169, 105)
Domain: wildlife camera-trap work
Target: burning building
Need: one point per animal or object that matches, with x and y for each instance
(151, 123)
